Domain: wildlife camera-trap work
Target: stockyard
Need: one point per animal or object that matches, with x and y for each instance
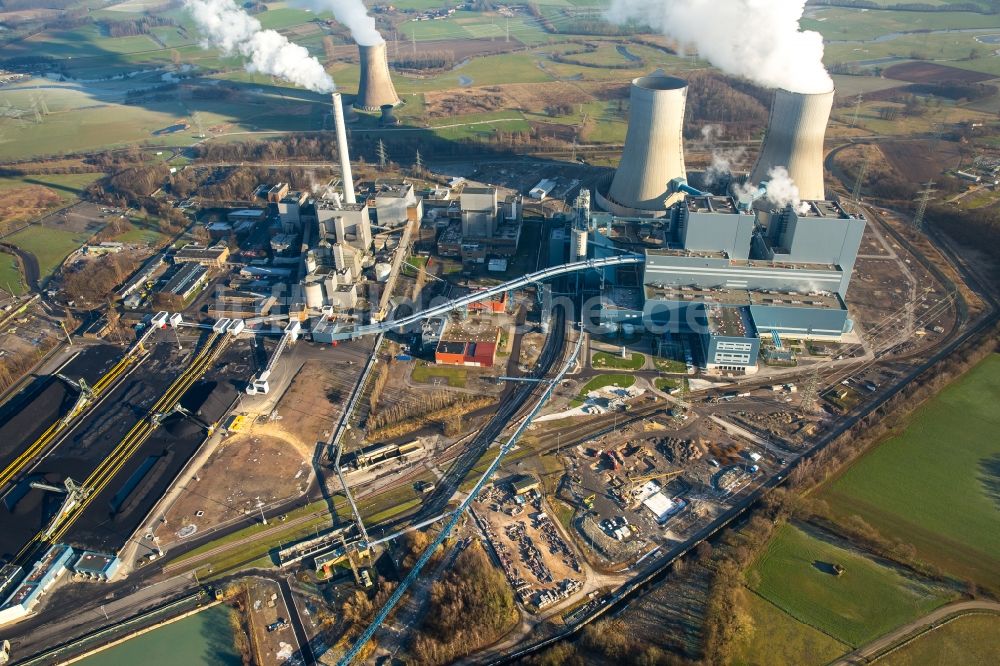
(528, 543)
(115, 511)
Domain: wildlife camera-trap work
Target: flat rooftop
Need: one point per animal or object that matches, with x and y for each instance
(816, 208)
(724, 296)
(678, 252)
(330, 204)
(712, 204)
(729, 322)
(94, 563)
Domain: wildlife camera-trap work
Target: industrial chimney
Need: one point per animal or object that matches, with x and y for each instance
(375, 89)
(345, 158)
(654, 151)
(794, 140)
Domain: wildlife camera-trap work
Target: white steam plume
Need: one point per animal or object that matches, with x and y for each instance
(231, 30)
(351, 13)
(724, 160)
(757, 39)
(782, 190)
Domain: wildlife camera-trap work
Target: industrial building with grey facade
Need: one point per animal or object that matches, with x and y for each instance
(731, 269)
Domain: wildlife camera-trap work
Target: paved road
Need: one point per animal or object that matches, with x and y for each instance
(914, 629)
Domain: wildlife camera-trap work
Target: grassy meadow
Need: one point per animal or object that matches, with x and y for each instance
(936, 484)
(866, 601)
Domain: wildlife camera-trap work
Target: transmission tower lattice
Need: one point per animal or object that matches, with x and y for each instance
(856, 193)
(925, 197)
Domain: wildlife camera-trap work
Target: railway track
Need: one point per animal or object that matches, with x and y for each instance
(129, 444)
(44, 442)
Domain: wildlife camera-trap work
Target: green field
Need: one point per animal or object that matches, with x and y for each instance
(670, 365)
(143, 232)
(50, 246)
(838, 24)
(774, 638)
(11, 279)
(603, 381)
(865, 602)
(669, 383)
(68, 186)
(935, 486)
(427, 374)
(603, 360)
(972, 640)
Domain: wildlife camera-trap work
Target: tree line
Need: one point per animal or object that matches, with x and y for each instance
(471, 607)
(134, 27)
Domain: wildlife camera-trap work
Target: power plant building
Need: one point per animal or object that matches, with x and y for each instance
(345, 223)
(732, 276)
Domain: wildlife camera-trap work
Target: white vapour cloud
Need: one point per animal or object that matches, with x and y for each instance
(782, 190)
(233, 31)
(757, 39)
(352, 14)
(724, 160)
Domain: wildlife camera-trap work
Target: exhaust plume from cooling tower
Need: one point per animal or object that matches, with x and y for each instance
(759, 40)
(350, 13)
(231, 30)
(724, 160)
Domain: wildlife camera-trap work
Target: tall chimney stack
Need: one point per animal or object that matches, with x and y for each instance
(345, 158)
(794, 140)
(654, 152)
(375, 89)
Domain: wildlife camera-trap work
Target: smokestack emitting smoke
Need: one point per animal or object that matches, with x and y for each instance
(350, 13)
(794, 141)
(653, 154)
(345, 159)
(759, 40)
(375, 89)
(231, 30)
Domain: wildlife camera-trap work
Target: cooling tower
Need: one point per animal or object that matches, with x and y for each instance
(654, 151)
(794, 140)
(375, 89)
(345, 159)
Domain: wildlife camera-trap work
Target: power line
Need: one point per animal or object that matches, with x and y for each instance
(922, 201)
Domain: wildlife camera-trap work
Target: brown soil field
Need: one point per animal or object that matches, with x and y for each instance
(929, 72)
(259, 463)
(920, 161)
(307, 414)
(524, 96)
(24, 203)
(24, 15)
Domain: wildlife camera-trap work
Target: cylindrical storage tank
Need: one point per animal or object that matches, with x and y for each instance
(314, 295)
(375, 89)
(579, 245)
(382, 272)
(794, 140)
(654, 150)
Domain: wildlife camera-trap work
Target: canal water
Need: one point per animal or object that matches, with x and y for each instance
(205, 638)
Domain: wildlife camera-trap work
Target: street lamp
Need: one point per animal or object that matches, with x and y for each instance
(260, 505)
